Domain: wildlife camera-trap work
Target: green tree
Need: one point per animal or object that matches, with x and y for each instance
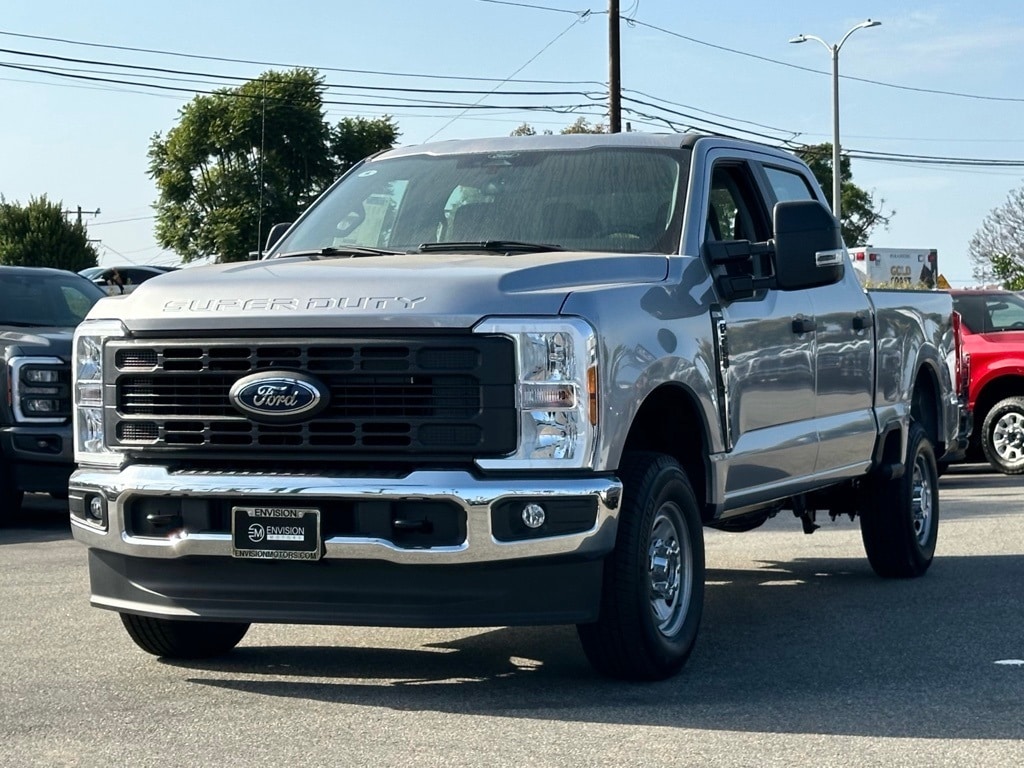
(582, 126)
(996, 250)
(242, 159)
(861, 214)
(40, 235)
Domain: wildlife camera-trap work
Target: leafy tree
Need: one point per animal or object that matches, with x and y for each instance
(997, 249)
(39, 235)
(861, 215)
(582, 126)
(242, 159)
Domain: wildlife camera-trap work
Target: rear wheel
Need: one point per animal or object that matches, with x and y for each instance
(653, 591)
(899, 518)
(1002, 436)
(177, 639)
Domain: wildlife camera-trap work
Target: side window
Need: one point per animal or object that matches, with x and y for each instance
(788, 185)
(735, 211)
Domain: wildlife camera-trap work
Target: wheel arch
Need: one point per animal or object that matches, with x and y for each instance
(996, 390)
(670, 421)
(926, 407)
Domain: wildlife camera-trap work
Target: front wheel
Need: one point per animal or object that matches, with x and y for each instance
(1002, 436)
(899, 517)
(177, 639)
(653, 592)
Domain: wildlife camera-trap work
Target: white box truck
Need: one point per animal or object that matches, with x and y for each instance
(896, 266)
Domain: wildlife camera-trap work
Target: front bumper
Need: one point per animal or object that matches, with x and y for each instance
(39, 457)
(482, 580)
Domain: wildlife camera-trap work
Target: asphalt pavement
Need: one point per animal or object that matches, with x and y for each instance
(805, 658)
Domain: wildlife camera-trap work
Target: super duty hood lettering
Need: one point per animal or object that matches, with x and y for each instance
(272, 304)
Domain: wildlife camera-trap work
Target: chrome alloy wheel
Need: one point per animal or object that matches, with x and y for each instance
(670, 570)
(1008, 437)
(922, 504)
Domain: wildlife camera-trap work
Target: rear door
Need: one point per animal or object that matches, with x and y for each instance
(844, 356)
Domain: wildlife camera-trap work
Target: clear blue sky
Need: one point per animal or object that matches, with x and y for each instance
(84, 143)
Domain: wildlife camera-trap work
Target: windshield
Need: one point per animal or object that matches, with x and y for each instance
(45, 299)
(990, 312)
(617, 200)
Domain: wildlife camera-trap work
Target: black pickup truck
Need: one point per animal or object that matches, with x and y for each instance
(39, 309)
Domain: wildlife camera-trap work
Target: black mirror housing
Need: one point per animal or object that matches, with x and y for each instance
(275, 234)
(808, 245)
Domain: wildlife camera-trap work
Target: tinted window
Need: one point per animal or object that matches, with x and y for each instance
(45, 299)
(788, 185)
(988, 313)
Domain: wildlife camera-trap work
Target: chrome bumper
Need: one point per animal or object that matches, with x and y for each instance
(475, 496)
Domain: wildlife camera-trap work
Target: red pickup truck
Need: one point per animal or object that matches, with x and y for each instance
(993, 336)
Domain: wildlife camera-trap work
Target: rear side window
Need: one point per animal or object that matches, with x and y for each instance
(788, 185)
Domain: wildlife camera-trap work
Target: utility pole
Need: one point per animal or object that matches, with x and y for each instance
(78, 211)
(614, 74)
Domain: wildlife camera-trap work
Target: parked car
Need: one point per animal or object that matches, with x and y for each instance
(993, 323)
(122, 279)
(39, 309)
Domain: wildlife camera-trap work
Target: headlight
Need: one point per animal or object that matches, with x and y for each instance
(87, 378)
(40, 389)
(556, 364)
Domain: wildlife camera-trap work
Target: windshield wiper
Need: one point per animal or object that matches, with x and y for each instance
(498, 246)
(333, 251)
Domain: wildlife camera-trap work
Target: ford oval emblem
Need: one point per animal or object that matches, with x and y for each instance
(279, 396)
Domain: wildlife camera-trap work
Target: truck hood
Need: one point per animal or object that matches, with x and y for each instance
(410, 290)
(42, 342)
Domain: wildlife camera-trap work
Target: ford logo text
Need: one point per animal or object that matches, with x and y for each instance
(279, 396)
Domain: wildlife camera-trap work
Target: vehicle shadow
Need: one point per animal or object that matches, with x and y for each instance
(40, 518)
(814, 646)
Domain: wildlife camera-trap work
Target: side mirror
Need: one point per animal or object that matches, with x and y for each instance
(809, 248)
(275, 234)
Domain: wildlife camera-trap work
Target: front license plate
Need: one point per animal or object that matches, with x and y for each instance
(275, 533)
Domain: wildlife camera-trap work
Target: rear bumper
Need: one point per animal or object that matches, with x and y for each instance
(957, 449)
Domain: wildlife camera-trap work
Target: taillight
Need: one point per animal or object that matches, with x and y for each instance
(962, 360)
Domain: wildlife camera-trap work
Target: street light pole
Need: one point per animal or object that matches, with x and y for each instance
(834, 50)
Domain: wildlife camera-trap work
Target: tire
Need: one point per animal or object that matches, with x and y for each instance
(1002, 436)
(177, 639)
(653, 590)
(899, 518)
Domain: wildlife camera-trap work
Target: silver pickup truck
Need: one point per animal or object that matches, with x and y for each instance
(505, 381)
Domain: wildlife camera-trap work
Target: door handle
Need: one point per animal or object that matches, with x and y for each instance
(860, 322)
(804, 325)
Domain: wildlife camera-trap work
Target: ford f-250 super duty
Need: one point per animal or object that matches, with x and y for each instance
(508, 381)
(39, 309)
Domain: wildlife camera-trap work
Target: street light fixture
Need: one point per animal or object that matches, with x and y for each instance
(834, 50)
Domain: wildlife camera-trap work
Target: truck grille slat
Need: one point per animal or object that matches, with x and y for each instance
(397, 397)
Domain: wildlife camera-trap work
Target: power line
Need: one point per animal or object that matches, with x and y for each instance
(159, 52)
(748, 54)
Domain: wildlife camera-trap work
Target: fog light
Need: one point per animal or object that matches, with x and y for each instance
(534, 515)
(97, 510)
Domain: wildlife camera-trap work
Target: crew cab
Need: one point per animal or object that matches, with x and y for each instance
(506, 381)
(39, 309)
